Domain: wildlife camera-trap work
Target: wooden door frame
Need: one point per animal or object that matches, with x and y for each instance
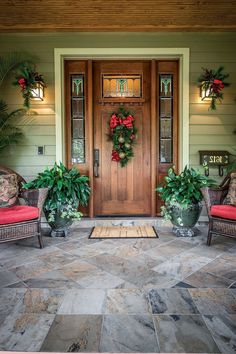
(182, 54)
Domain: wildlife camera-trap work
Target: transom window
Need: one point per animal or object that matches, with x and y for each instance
(129, 86)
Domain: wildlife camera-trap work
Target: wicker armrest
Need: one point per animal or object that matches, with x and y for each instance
(212, 196)
(35, 197)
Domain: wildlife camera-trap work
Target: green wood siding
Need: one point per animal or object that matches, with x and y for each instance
(208, 129)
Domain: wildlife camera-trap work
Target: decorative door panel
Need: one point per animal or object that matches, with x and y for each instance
(122, 190)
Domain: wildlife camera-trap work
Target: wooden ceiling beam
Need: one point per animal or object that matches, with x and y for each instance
(122, 15)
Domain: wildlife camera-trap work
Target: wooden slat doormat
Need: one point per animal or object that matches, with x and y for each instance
(123, 232)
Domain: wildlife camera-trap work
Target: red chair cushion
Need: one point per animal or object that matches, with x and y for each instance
(224, 211)
(18, 213)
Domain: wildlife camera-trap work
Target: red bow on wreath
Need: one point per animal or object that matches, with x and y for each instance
(115, 156)
(123, 134)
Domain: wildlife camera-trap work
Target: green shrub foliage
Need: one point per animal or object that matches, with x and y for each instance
(68, 189)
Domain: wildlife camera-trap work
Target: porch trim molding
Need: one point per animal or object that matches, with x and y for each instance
(60, 54)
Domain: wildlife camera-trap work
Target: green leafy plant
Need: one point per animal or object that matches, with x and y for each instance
(231, 166)
(67, 190)
(182, 189)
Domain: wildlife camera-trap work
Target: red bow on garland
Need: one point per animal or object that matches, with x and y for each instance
(122, 133)
(217, 86)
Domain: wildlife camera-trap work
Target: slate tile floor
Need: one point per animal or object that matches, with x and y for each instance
(80, 295)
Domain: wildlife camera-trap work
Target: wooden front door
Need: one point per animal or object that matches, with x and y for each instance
(149, 90)
(122, 190)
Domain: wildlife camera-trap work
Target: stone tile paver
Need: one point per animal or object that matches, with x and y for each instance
(123, 333)
(127, 301)
(30, 270)
(201, 279)
(215, 301)
(85, 295)
(172, 301)
(74, 333)
(7, 277)
(82, 301)
(223, 329)
(24, 331)
(184, 334)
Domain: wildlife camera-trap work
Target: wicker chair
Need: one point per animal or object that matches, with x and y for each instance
(28, 228)
(218, 225)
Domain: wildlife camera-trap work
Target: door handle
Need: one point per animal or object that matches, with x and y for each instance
(96, 162)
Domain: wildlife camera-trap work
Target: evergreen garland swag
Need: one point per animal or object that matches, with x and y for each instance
(214, 81)
(26, 78)
(123, 134)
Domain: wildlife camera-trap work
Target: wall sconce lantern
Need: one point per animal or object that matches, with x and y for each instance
(37, 91)
(205, 91)
(32, 85)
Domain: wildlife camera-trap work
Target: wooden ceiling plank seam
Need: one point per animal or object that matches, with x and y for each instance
(109, 15)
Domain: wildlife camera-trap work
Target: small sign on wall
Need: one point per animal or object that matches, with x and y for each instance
(214, 158)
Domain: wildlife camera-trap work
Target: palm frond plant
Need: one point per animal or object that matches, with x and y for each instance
(11, 61)
(68, 189)
(9, 133)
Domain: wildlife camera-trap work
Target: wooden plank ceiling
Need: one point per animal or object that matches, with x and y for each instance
(118, 15)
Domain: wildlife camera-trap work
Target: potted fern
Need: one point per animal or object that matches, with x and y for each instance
(182, 196)
(67, 189)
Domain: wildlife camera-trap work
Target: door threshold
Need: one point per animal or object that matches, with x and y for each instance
(121, 221)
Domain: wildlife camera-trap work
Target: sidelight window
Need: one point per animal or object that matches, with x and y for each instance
(77, 119)
(166, 117)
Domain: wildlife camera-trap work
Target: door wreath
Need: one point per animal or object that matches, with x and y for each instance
(123, 134)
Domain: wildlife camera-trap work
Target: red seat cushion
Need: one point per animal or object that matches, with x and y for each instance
(18, 213)
(224, 211)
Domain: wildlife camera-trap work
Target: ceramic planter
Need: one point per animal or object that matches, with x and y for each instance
(60, 226)
(184, 220)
